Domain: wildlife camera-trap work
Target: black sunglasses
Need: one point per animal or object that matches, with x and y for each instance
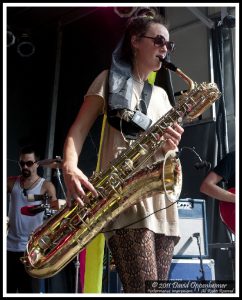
(28, 163)
(160, 41)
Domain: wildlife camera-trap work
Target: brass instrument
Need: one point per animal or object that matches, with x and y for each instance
(123, 183)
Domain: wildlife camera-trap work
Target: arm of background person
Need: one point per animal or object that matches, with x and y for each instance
(210, 188)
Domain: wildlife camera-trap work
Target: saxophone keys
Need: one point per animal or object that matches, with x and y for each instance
(156, 136)
(34, 257)
(44, 242)
(129, 165)
(142, 150)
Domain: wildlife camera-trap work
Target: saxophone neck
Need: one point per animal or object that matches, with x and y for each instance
(187, 79)
(172, 67)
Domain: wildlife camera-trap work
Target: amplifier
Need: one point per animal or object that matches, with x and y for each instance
(181, 269)
(192, 269)
(112, 284)
(193, 229)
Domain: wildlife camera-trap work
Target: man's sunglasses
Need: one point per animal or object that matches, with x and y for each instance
(160, 41)
(28, 163)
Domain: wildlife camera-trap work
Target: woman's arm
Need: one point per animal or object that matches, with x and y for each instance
(74, 178)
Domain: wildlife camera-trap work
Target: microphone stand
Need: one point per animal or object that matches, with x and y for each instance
(77, 266)
(59, 180)
(47, 212)
(203, 163)
(231, 251)
(197, 236)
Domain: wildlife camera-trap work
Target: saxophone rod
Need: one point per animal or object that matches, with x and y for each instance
(172, 67)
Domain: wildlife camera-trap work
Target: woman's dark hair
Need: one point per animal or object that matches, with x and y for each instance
(139, 25)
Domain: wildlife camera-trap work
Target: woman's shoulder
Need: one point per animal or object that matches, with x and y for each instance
(102, 75)
(99, 86)
(99, 81)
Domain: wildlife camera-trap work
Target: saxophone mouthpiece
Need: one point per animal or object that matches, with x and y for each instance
(160, 58)
(167, 65)
(172, 67)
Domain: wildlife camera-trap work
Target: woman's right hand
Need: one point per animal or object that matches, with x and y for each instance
(75, 181)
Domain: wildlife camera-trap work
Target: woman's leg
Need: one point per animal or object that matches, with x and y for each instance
(133, 251)
(164, 246)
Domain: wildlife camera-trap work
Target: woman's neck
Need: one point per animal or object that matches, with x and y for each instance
(139, 75)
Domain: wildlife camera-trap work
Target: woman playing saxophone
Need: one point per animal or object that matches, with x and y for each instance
(142, 251)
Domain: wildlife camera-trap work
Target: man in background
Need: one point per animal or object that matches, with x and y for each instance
(22, 224)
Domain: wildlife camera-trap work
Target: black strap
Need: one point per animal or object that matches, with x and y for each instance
(130, 129)
(145, 97)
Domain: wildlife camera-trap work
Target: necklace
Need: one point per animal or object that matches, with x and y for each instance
(136, 76)
(138, 80)
(28, 188)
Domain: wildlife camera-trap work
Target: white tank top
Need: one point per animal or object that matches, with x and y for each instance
(21, 226)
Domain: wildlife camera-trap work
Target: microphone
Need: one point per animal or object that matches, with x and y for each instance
(196, 234)
(198, 165)
(32, 210)
(32, 197)
(202, 164)
(198, 237)
(228, 21)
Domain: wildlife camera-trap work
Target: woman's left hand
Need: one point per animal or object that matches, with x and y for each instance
(172, 137)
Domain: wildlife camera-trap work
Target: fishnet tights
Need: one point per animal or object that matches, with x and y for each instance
(140, 255)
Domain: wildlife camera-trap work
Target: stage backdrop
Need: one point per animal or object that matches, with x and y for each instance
(72, 46)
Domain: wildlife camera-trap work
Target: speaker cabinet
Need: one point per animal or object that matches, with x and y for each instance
(193, 229)
(192, 269)
(113, 284)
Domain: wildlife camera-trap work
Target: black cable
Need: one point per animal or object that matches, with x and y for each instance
(141, 218)
(198, 165)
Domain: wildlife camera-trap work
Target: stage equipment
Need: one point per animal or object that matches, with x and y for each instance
(10, 38)
(52, 163)
(119, 186)
(32, 210)
(125, 12)
(25, 47)
(180, 270)
(190, 269)
(114, 283)
(193, 229)
(227, 213)
(201, 163)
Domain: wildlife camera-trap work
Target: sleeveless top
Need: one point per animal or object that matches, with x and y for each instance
(226, 169)
(21, 226)
(155, 213)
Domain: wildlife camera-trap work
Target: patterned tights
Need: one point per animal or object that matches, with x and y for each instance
(140, 255)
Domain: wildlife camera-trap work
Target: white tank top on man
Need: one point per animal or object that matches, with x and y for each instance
(21, 226)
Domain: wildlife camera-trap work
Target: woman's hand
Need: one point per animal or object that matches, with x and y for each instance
(172, 137)
(75, 181)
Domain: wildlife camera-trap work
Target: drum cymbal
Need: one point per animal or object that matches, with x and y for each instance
(51, 163)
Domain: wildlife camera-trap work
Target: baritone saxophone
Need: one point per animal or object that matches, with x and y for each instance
(122, 184)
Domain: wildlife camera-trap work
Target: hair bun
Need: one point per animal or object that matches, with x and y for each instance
(150, 12)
